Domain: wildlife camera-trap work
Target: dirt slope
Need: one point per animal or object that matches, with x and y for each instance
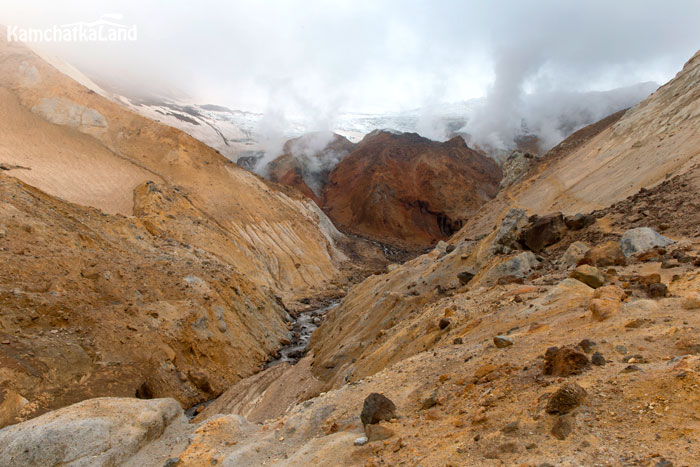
(652, 141)
(91, 151)
(101, 305)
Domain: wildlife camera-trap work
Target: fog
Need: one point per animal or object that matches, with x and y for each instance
(317, 59)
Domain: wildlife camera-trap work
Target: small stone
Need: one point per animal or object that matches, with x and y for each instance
(658, 290)
(630, 369)
(458, 341)
(376, 408)
(444, 322)
(171, 462)
(362, 440)
(429, 401)
(664, 463)
(378, 432)
(566, 398)
(598, 359)
(587, 345)
(635, 323)
(502, 342)
(621, 349)
(562, 428)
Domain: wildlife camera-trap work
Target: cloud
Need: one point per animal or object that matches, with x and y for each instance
(319, 57)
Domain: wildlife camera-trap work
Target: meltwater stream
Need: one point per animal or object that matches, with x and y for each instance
(305, 324)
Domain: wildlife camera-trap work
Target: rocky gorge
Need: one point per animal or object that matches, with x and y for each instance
(547, 314)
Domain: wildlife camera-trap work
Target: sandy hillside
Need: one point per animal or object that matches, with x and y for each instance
(53, 127)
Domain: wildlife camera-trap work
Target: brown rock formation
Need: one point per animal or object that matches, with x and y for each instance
(408, 190)
(307, 161)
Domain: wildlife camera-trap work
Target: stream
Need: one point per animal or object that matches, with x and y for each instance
(305, 324)
(300, 335)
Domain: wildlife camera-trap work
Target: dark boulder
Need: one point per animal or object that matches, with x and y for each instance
(543, 231)
(376, 408)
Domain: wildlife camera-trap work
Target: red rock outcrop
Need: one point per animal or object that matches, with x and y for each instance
(306, 162)
(408, 190)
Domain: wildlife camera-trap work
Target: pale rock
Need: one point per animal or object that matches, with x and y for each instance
(642, 239)
(95, 432)
(574, 254)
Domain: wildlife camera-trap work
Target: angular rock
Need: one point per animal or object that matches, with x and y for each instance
(657, 290)
(509, 232)
(589, 275)
(11, 405)
(607, 254)
(502, 341)
(579, 221)
(361, 441)
(101, 432)
(378, 432)
(444, 322)
(376, 408)
(587, 345)
(575, 253)
(519, 266)
(544, 231)
(465, 276)
(566, 398)
(564, 361)
(641, 239)
(597, 359)
(606, 302)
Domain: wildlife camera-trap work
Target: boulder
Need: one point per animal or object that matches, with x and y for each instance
(657, 290)
(579, 221)
(575, 253)
(564, 361)
(606, 302)
(508, 233)
(376, 408)
(96, 432)
(378, 432)
(519, 266)
(589, 275)
(642, 239)
(566, 398)
(606, 254)
(543, 231)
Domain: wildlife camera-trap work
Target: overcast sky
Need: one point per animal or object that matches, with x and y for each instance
(374, 55)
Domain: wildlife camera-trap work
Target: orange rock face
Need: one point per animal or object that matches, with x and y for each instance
(307, 161)
(408, 190)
